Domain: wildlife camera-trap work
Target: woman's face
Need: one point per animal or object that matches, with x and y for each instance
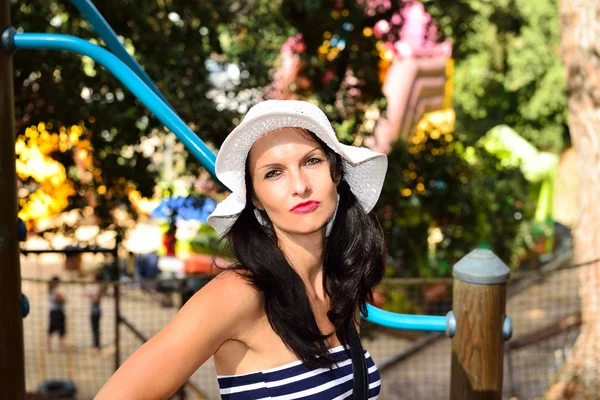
(291, 181)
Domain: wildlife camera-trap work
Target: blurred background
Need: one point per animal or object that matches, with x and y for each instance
(487, 110)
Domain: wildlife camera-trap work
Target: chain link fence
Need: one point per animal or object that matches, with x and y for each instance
(544, 305)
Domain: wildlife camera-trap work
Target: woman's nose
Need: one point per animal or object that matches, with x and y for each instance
(300, 183)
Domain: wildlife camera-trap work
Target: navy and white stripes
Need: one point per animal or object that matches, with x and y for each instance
(299, 381)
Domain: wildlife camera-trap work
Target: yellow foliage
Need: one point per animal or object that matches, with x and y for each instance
(435, 125)
(142, 204)
(449, 86)
(33, 161)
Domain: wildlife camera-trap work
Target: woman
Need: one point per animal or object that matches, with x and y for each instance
(309, 254)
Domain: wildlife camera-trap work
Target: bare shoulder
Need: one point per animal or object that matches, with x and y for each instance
(233, 281)
(234, 288)
(217, 313)
(232, 295)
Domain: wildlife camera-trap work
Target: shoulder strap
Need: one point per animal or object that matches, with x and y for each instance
(359, 365)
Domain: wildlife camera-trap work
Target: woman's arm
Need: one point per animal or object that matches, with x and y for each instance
(220, 311)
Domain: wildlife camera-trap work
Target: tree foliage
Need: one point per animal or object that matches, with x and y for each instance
(176, 42)
(508, 68)
(506, 71)
(442, 199)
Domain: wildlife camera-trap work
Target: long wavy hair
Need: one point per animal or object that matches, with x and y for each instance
(353, 264)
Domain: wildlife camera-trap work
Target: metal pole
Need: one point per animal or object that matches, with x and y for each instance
(12, 363)
(479, 306)
(117, 303)
(134, 83)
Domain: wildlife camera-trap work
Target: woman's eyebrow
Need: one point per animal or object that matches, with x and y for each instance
(314, 149)
(274, 165)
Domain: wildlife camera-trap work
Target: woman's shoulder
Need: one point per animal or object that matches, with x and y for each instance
(218, 312)
(231, 292)
(233, 280)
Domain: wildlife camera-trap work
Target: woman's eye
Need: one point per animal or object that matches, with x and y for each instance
(313, 161)
(272, 174)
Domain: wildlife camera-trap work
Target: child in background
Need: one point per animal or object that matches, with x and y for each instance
(95, 296)
(57, 317)
(170, 240)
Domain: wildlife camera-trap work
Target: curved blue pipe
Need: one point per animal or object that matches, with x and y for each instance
(405, 321)
(134, 83)
(109, 36)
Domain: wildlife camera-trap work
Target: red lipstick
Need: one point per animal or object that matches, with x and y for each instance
(305, 207)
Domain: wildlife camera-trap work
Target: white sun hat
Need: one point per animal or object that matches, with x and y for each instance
(364, 169)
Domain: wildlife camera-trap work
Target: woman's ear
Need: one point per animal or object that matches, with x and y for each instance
(337, 176)
(257, 204)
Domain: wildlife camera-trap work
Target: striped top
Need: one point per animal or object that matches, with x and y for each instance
(296, 380)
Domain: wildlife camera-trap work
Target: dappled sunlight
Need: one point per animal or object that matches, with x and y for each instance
(86, 233)
(476, 103)
(46, 189)
(536, 314)
(144, 238)
(142, 204)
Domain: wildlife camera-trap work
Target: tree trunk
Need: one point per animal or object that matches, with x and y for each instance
(580, 26)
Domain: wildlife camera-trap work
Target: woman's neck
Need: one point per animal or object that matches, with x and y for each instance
(305, 255)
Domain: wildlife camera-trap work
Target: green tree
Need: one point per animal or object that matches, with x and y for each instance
(508, 68)
(176, 42)
(431, 185)
(506, 71)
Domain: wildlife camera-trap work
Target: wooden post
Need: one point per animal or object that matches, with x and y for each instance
(479, 306)
(12, 364)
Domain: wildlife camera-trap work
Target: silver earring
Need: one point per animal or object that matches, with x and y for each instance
(329, 226)
(261, 220)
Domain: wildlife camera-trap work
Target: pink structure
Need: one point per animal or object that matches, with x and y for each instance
(416, 78)
(289, 69)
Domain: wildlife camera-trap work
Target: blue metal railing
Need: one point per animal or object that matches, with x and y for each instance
(109, 36)
(133, 82)
(410, 322)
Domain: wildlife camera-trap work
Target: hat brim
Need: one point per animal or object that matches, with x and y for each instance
(364, 169)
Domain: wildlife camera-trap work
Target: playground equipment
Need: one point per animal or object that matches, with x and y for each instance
(478, 318)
